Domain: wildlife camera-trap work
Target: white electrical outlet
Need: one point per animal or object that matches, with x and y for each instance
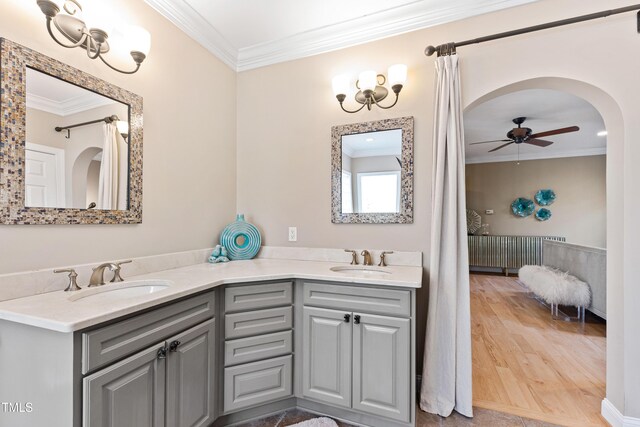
(293, 234)
(489, 212)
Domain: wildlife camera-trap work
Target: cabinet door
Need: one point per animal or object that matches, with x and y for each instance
(381, 366)
(326, 371)
(127, 393)
(191, 377)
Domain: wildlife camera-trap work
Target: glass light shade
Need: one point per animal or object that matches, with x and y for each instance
(368, 80)
(397, 74)
(341, 84)
(139, 38)
(123, 127)
(97, 15)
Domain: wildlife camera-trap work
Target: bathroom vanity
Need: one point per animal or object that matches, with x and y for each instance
(219, 345)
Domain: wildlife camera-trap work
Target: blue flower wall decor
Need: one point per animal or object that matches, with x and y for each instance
(543, 214)
(522, 207)
(545, 197)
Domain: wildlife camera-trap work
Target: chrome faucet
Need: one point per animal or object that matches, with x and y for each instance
(383, 258)
(354, 256)
(97, 277)
(116, 273)
(367, 257)
(73, 284)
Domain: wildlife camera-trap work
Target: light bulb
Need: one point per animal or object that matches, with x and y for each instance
(368, 80)
(341, 84)
(397, 74)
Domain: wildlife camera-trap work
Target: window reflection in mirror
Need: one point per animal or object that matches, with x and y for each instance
(371, 171)
(85, 167)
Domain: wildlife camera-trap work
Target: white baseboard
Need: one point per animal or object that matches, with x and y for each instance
(615, 417)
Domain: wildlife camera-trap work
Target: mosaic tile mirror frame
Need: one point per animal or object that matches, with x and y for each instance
(14, 61)
(399, 161)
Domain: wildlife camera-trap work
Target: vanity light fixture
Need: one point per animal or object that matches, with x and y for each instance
(67, 17)
(370, 87)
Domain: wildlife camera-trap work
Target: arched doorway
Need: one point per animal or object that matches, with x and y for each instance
(612, 118)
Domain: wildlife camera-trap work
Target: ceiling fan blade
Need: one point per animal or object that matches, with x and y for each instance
(486, 142)
(555, 132)
(502, 146)
(539, 142)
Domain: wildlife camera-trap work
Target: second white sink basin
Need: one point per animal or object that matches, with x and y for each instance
(120, 291)
(361, 270)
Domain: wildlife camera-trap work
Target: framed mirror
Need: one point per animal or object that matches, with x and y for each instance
(372, 172)
(71, 144)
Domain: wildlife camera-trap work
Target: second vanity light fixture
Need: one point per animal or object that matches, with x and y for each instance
(370, 87)
(67, 17)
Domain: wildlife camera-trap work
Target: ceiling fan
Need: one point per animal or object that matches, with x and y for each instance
(522, 135)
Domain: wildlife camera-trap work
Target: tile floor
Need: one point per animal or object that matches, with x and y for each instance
(482, 417)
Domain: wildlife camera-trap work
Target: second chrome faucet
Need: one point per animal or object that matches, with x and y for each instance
(367, 257)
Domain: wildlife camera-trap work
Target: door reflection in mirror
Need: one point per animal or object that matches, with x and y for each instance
(79, 167)
(371, 172)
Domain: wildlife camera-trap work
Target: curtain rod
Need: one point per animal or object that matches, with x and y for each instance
(450, 47)
(109, 119)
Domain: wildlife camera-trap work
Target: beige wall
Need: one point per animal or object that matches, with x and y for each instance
(189, 142)
(284, 153)
(579, 212)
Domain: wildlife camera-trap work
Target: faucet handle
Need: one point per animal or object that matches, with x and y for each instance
(73, 284)
(383, 258)
(354, 256)
(116, 272)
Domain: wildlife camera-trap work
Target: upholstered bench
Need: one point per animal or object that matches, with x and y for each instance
(555, 288)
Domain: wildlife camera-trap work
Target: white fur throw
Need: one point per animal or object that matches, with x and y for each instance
(317, 422)
(555, 286)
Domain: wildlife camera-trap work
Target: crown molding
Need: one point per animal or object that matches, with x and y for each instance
(195, 26)
(75, 105)
(541, 156)
(413, 16)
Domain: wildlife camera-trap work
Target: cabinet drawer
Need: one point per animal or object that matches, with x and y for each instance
(250, 297)
(250, 349)
(358, 298)
(258, 382)
(107, 344)
(257, 322)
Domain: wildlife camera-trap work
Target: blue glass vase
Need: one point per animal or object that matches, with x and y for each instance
(241, 239)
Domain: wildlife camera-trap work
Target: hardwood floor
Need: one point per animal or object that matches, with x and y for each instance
(528, 364)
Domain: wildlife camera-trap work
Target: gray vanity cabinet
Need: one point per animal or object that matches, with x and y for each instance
(128, 393)
(191, 373)
(172, 383)
(381, 360)
(354, 359)
(258, 356)
(326, 373)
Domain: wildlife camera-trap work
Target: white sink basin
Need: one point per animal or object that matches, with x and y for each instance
(120, 291)
(360, 270)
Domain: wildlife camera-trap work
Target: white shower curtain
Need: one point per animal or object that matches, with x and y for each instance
(446, 376)
(112, 183)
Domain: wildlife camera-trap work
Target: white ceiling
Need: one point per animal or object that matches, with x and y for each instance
(248, 34)
(58, 97)
(545, 110)
(370, 144)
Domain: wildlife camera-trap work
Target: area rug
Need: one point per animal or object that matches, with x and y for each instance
(317, 422)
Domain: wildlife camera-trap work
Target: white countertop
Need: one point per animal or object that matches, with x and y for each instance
(55, 311)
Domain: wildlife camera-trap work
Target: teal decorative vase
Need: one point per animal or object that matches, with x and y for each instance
(241, 239)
